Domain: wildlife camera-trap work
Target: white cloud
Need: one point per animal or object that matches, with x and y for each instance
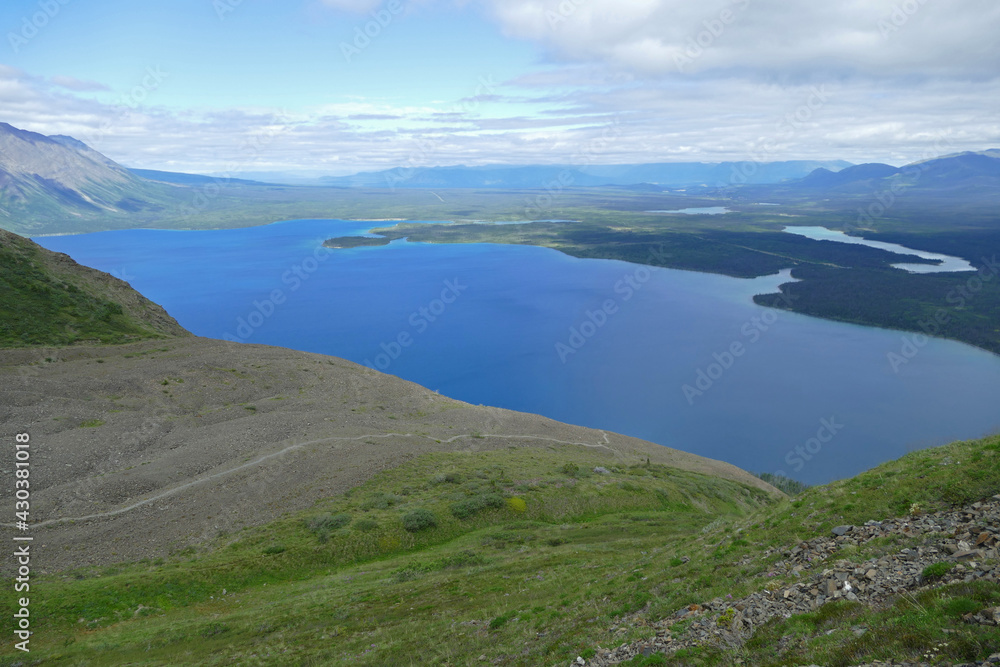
(658, 37)
(554, 114)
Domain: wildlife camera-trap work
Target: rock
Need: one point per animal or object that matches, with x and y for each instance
(840, 531)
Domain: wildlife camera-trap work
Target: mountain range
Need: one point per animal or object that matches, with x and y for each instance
(666, 174)
(59, 184)
(967, 173)
(58, 176)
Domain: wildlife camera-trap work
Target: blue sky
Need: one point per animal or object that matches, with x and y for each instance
(271, 85)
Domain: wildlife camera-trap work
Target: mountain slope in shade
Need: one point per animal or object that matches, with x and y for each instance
(824, 178)
(971, 173)
(964, 170)
(45, 177)
(46, 298)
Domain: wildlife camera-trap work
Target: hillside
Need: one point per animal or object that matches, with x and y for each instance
(948, 180)
(543, 556)
(170, 428)
(203, 502)
(48, 299)
(58, 177)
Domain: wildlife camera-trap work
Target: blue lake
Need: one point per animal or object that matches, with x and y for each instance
(680, 358)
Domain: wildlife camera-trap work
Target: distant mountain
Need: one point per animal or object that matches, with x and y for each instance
(45, 177)
(861, 172)
(970, 174)
(965, 171)
(667, 174)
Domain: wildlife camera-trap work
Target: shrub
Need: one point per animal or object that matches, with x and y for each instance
(381, 501)
(517, 504)
(366, 525)
(213, 629)
(500, 620)
(570, 469)
(469, 507)
(792, 487)
(419, 519)
(327, 522)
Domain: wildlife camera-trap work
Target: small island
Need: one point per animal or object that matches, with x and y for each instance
(355, 241)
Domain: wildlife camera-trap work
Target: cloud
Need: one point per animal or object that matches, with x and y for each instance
(555, 116)
(763, 37)
(72, 83)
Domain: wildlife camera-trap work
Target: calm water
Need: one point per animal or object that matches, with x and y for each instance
(601, 343)
(948, 263)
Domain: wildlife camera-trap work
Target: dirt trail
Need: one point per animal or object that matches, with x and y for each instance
(143, 449)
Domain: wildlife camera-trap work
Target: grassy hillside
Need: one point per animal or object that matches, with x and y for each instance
(526, 558)
(47, 299)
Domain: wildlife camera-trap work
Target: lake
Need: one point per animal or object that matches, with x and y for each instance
(680, 358)
(947, 262)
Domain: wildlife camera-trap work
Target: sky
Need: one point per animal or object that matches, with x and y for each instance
(341, 86)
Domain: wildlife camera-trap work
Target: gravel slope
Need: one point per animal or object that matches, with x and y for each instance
(156, 446)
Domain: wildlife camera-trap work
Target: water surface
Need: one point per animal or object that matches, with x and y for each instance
(947, 262)
(492, 324)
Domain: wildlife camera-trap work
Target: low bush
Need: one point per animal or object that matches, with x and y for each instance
(419, 519)
(469, 507)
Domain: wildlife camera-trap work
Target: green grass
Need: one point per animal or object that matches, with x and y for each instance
(548, 571)
(583, 564)
(40, 307)
(925, 627)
